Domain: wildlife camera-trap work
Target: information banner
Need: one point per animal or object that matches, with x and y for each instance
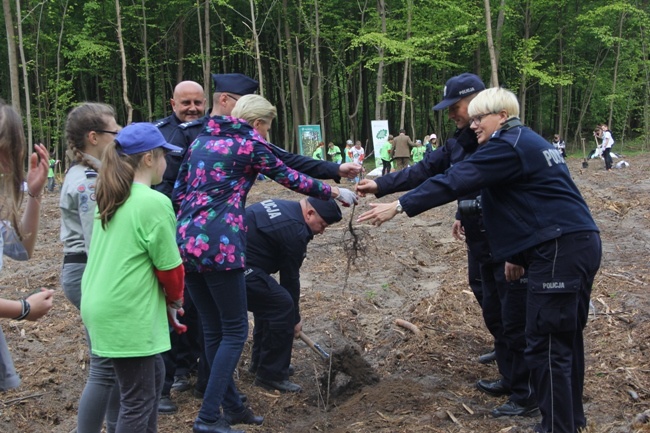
(379, 138)
(310, 136)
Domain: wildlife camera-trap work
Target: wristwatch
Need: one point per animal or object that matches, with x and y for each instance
(398, 208)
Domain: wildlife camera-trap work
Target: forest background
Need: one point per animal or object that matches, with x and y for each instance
(336, 63)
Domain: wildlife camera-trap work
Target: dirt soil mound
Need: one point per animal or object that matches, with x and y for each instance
(380, 377)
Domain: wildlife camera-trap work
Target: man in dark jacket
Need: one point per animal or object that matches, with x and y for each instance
(277, 238)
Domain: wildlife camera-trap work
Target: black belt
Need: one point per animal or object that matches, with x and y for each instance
(75, 258)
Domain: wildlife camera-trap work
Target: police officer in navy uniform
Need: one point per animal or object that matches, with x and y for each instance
(535, 217)
(502, 302)
(180, 128)
(277, 238)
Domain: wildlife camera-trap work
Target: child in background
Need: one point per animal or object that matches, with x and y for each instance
(417, 153)
(348, 151)
(17, 239)
(384, 154)
(51, 183)
(134, 271)
(357, 157)
(319, 152)
(89, 129)
(432, 143)
(334, 152)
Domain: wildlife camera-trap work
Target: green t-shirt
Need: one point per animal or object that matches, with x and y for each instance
(417, 153)
(384, 153)
(122, 302)
(318, 153)
(335, 154)
(50, 171)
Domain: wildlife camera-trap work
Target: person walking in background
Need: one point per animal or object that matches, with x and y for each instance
(608, 142)
(211, 191)
(559, 144)
(401, 150)
(417, 153)
(18, 237)
(90, 127)
(133, 273)
(334, 153)
(384, 153)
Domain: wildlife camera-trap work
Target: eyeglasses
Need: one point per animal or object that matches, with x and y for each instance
(106, 132)
(230, 96)
(477, 119)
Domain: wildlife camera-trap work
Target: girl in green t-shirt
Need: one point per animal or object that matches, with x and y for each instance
(417, 153)
(134, 272)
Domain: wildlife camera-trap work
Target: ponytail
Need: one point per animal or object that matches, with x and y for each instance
(116, 177)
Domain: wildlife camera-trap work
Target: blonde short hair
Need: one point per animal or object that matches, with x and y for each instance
(254, 107)
(494, 100)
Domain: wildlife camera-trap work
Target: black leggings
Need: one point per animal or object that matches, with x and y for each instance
(386, 167)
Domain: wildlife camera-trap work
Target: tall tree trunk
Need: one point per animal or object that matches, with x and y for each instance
(379, 106)
(180, 50)
(37, 75)
(616, 63)
(28, 101)
(319, 77)
(293, 84)
(57, 109)
(494, 76)
(522, 87)
(125, 91)
(13, 59)
(147, 79)
(283, 96)
(208, 50)
(256, 38)
(501, 18)
(409, 18)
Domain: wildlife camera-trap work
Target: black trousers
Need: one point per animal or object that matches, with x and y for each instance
(273, 310)
(560, 276)
(187, 349)
(504, 311)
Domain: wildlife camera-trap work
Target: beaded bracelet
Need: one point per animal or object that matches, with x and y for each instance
(26, 308)
(35, 197)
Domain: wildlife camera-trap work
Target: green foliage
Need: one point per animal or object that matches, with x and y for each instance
(572, 48)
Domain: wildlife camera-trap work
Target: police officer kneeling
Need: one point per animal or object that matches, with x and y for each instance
(277, 238)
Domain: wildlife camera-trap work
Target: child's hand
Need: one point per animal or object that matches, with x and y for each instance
(173, 319)
(40, 303)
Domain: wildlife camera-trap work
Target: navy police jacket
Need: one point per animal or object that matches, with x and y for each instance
(458, 148)
(528, 196)
(277, 241)
(180, 134)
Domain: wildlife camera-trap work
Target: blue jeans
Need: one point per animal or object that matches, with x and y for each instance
(220, 298)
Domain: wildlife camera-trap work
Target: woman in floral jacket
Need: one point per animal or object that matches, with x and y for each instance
(213, 181)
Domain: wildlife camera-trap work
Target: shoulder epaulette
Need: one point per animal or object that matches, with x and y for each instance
(90, 173)
(162, 122)
(190, 124)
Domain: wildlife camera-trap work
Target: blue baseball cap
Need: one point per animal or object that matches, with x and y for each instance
(142, 137)
(239, 84)
(456, 88)
(327, 209)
